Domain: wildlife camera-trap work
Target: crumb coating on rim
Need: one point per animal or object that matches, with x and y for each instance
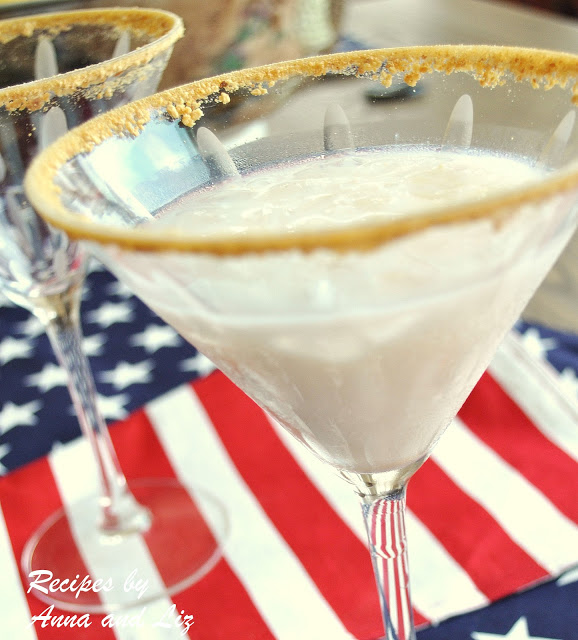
(162, 27)
(490, 65)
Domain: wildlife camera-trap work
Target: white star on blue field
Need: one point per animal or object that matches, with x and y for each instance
(128, 347)
(547, 612)
(559, 350)
(518, 632)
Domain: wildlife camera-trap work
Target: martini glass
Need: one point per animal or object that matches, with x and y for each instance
(352, 266)
(56, 71)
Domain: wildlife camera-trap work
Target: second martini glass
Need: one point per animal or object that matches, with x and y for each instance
(351, 266)
(56, 71)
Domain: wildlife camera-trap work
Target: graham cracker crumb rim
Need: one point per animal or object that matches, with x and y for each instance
(489, 64)
(165, 27)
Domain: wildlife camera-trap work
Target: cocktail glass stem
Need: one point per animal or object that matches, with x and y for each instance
(385, 523)
(60, 313)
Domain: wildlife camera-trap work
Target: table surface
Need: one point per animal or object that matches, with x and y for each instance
(395, 23)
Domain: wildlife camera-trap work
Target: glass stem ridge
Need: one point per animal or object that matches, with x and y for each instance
(385, 524)
(60, 314)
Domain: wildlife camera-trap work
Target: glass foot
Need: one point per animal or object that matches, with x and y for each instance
(70, 563)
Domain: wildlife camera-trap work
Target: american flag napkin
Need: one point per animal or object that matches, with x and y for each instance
(493, 512)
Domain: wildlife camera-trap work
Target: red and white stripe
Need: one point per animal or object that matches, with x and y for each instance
(488, 514)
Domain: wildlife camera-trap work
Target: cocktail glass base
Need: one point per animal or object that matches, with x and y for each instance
(70, 563)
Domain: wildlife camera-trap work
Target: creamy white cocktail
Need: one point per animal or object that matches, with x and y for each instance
(364, 357)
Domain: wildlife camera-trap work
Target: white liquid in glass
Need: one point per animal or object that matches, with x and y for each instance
(345, 188)
(364, 356)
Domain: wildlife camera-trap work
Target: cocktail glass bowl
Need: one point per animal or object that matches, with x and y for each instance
(362, 338)
(56, 71)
